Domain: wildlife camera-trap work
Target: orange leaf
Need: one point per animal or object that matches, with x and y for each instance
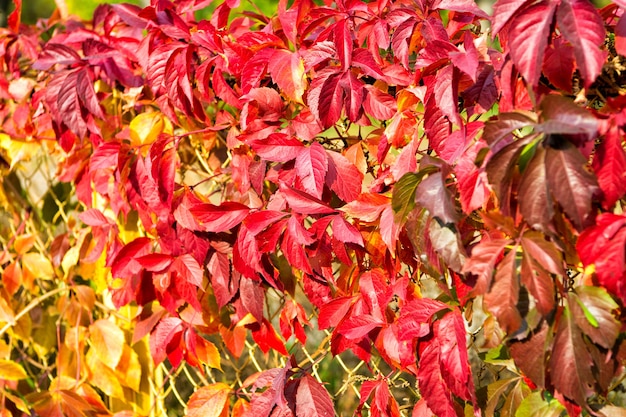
(23, 243)
(107, 341)
(209, 401)
(12, 277)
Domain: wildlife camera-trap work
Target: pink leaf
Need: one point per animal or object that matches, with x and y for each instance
(312, 399)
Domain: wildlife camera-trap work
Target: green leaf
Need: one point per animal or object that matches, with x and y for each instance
(592, 308)
(536, 406)
(403, 196)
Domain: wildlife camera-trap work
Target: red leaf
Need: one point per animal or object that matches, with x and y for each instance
(55, 53)
(414, 320)
(246, 255)
(467, 60)
(343, 177)
(432, 385)
(220, 274)
(346, 232)
(95, 218)
(378, 104)
(461, 6)
(530, 354)
(220, 218)
(167, 329)
(287, 70)
(326, 97)
(333, 312)
(529, 37)
(620, 36)
(14, 19)
(583, 27)
(343, 43)
(252, 297)
(558, 65)
(155, 262)
(535, 200)
(502, 299)
(278, 147)
(311, 166)
(294, 252)
(126, 263)
(257, 221)
(267, 338)
(433, 194)
(560, 115)
(367, 207)
(446, 93)
(455, 365)
(357, 327)
(503, 11)
(570, 183)
(363, 59)
(303, 203)
(188, 269)
(603, 246)
(76, 93)
(483, 260)
(484, 92)
(312, 399)
(609, 164)
(570, 362)
(472, 181)
(354, 90)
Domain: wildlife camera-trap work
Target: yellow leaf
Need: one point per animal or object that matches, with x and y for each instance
(146, 128)
(209, 401)
(70, 259)
(37, 266)
(129, 369)
(17, 150)
(11, 371)
(107, 342)
(103, 377)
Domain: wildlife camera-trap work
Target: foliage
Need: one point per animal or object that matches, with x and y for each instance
(385, 178)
